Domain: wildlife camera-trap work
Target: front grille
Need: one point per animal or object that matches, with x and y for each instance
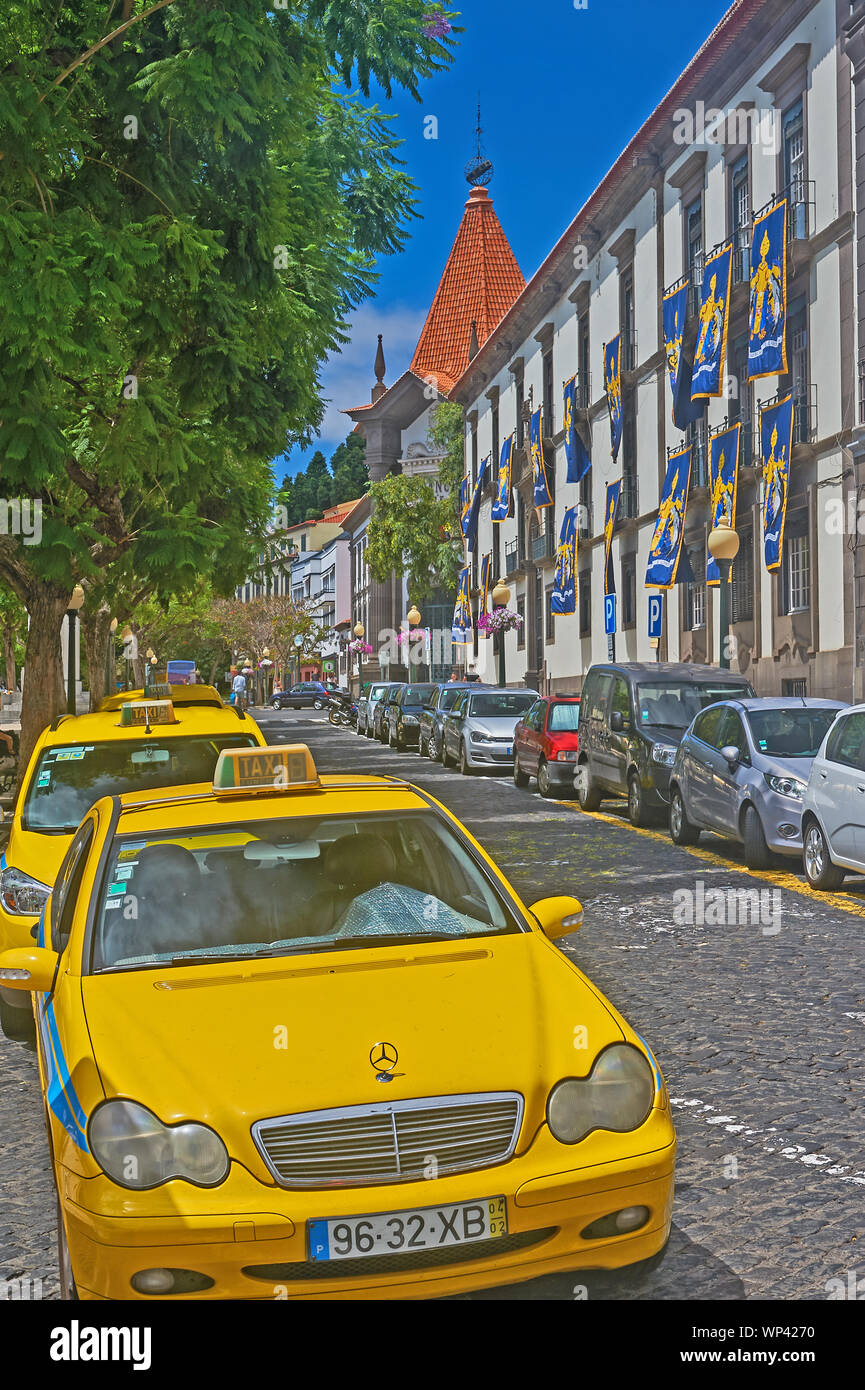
(397, 1142)
(393, 1264)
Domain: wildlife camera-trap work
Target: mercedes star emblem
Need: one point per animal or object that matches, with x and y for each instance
(384, 1057)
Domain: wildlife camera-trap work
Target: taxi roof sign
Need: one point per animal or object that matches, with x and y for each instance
(280, 768)
(146, 713)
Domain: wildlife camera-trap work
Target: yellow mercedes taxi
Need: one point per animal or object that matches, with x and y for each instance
(299, 1038)
(173, 735)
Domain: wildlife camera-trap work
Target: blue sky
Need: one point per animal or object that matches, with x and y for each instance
(562, 90)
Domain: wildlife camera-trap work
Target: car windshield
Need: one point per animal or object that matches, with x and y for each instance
(673, 704)
(68, 779)
(564, 718)
(280, 887)
(448, 697)
(503, 706)
(417, 694)
(790, 733)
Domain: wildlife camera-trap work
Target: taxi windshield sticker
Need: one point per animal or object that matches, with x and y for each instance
(70, 755)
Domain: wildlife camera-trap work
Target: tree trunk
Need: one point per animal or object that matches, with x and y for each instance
(9, 659)
(94, 632)
(43, 698)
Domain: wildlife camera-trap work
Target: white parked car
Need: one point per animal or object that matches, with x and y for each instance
(833, 806)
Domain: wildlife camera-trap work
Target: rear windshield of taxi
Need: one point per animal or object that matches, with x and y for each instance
(68, 779)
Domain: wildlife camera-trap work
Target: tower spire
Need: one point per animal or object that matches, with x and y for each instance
(379, 368)
(479, 169)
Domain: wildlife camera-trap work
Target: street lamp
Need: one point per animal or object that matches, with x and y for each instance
(501, 597)
(76, 599)
(110, 659)
(266, 663)
(151, 661)
(413, 620)
(359, 632)
(724, 547)
(298, 643)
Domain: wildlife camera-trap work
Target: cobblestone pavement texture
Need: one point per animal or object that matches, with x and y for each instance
(759, 1033)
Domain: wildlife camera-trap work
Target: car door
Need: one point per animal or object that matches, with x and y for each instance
(726, 787)
(294, 698)
(616, 745)
(526, 737)
(840, 790)
(598, 688)
(700, 764)
(453, 722)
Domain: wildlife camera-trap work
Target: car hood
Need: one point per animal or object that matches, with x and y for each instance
(784, 767)
(495, 727)
(37, 854)
(231, 1044)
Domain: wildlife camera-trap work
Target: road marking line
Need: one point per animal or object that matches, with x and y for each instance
(812, 1157)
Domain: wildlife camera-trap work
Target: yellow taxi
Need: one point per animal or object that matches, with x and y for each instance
(174, 734)
(299, 1038)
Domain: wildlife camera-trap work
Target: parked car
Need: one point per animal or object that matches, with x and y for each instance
(433, 713)
(479, 730)
(632, 717)
(366, 706)
(304, 695)
(403, 714)
(546, 744)
(833, 804)
(741, 770)
(379, 714)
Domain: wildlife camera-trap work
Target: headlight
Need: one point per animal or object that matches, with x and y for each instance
(616, 1095)
(409, 719)
(566, 755)
(480, 738)
(137, 1150)
(786, 786)
(22, 895)
(664, 753)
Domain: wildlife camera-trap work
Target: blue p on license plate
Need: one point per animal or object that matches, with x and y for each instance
(510, 750)
(397, 1232)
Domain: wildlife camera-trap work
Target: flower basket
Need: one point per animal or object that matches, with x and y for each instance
(360, 648)
(500, 620)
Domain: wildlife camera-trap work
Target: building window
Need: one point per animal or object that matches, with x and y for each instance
(797, 360)
(521, 630)
(521, 528)
(797, 574)
(694, 252)
(626, 319)
(740, 217)
(742, 586)
(549, 406)
(585, 603)
(795, 173)
(629, 495)
(795, 689)
(698, 438)
(584, 511)
(550, 617)
(519, 389)
(629, 591)
(695, 607)
(740, 403)
(584, 379)
(496, 450)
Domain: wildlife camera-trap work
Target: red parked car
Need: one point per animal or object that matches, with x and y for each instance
(546, 743)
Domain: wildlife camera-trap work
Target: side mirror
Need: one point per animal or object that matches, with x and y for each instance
(558, 916)
(731, 753)
(617, 722)
(28, 968)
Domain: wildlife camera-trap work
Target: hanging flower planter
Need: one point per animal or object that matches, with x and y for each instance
(500, 620)
(414, 635)
(359, 647)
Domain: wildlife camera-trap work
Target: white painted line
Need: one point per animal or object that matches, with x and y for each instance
(807, 1154)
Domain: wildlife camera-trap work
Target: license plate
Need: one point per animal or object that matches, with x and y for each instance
(510, 750)
(397, 1232)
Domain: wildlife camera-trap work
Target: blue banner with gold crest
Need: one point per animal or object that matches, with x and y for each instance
(613, 388)
(502, 503)
(461, 629)
(471, 529)
(576, 453)
(465, 505)
(610, 505)
(679, 368)
(564, 596)
(723, 485)
(542, 496)
(767, 353)
(666, 545)
(707, 376)
(776, 437)
(486, 566)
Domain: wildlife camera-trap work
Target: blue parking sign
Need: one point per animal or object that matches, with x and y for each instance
(609, 613)
(656, 613)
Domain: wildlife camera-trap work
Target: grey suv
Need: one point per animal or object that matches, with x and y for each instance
(741, 771)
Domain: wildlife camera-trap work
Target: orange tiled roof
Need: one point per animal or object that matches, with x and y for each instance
(480, 281)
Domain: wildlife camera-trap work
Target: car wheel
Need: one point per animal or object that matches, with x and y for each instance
(545, 786)
(274, 704)
(447, 760)
(637, 812)
(68, 1290)
(819, 870)
(521, 779)
(17, 1023)
(587, 793)
(756, 849)
(434, 752)
(318, 704)
(682, 832)
(422, 747)
(464, 765)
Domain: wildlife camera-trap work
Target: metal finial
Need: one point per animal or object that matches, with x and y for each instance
(479, 170)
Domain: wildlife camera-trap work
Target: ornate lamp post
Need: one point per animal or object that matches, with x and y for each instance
(266, 664)
(298, 643)
(110, 659)
(127, 637)
(359, 632)
(413, 620)
(501, 597)
(724, 547)
(75, 601)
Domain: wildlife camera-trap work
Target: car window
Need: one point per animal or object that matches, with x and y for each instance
(847, 744)
(415, 694)
(599, 695)
(448, 697)
(708, 726)
(66, 888)
(298, 884)
(790, 733)
(732, 732)
(672, 704)
(621, 698)
(296, 690)
(532, 719)
(564, 717)
(504, 705)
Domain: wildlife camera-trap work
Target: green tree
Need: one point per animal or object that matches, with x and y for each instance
(192, 200)
(13, 628)
(348, 465)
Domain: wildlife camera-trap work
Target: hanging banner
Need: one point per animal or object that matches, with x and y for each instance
(707, 377)
(613, 388)
(675, 308)
(461, 630)
(471, 529)
(465, 505)
(767, 352)
(723, 483)
(666, 545)
(776, 437)
(612, 502)
(542, 495)
(486, 566)
(502, 503)
(564, 596)
(576, 453)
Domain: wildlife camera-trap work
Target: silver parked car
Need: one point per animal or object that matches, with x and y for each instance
(741, 770)
(366, 707)
(479, 730)
(833, 807)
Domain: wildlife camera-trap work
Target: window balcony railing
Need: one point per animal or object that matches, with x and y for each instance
(700, 456)
(584, 521)
(583, 393)
(801, 209)
(544, 547)
(628, 498)
(804, 413)
(629, 349)
(514, 559)
(742, 254)
(696, 284)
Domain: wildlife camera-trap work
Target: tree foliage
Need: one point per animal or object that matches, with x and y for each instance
(271, 623)
(306, 494)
